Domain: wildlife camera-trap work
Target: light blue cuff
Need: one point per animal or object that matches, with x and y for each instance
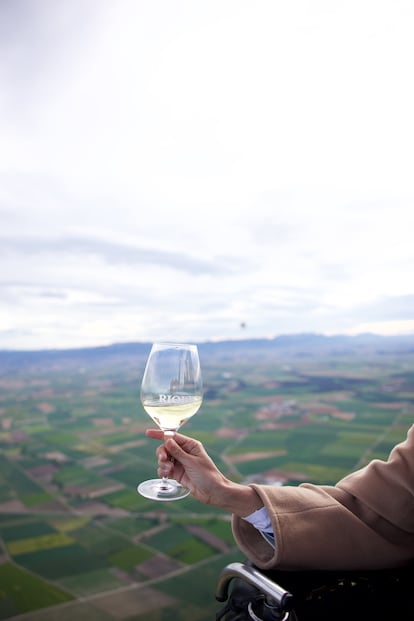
(260, 519)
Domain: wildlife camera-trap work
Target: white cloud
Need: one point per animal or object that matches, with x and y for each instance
(387, 328)
(172, 169)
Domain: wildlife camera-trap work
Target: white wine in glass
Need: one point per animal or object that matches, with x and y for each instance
(171, 393)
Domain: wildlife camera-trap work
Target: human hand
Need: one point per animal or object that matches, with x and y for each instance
(187, 461)
(193, 467)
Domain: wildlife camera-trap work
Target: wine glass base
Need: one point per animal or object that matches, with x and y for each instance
(157, 489)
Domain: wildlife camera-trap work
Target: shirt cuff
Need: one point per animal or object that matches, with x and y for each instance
(260, 519)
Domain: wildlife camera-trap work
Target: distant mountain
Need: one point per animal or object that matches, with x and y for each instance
(72, 358)
(308, 344)
(294, 345)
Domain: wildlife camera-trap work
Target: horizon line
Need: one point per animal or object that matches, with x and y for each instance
(209, 341)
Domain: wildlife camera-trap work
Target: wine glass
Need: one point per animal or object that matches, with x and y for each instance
(171, 392)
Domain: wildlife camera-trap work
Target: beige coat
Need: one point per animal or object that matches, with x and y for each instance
(366, 521)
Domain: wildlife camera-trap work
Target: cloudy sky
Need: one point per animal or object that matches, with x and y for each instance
(171, 169)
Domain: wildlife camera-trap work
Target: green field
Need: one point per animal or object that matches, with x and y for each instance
(22, 592)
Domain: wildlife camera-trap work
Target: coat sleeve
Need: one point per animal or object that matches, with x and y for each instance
(366, 521)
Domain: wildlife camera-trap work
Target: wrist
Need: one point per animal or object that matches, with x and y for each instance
(241, 500)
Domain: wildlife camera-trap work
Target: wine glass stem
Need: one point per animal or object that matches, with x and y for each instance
(164, 484)
(169, 433)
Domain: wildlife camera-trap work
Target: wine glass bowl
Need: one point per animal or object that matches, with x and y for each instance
(171, 393)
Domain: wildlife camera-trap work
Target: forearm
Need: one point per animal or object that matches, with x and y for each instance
(314, 529)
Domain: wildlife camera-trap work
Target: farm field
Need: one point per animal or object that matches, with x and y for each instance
(77, 541)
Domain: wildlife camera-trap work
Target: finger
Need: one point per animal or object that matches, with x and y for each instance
(184, 455)
(162, 454)
(156, 434)
(189, 445)
(165, 469)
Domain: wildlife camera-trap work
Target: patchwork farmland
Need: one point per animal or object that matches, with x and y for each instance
(77, 541)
